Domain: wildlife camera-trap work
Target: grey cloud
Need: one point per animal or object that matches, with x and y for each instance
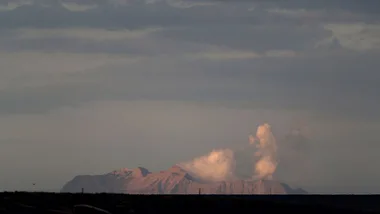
(147, 46)
(189, 28)
(327, 87)
(86, 2)
(174, 40)
(107, 16)
(258, 37)
(241, 29)
(143, 15)
(74, 46)
(371, 6)
(53, 2)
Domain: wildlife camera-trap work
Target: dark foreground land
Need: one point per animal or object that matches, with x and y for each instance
(24, 202)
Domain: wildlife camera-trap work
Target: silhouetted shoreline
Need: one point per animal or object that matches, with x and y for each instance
(39, 202)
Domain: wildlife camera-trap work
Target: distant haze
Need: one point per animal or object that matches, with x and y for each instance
(87, 87)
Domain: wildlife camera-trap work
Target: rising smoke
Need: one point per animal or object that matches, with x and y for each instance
(266, 152)
(219, 165)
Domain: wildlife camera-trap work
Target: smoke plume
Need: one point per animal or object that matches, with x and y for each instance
(218, 165)
(266, 152)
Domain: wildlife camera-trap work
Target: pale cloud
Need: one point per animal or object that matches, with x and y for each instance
(226, 55)
(188, 4)
(11, 5)
(141, 42)
(172, 3)
(281, 53)
(72, 6)
(241, 54)
(356, 36)
(297, 13)
(92, 34)
(317, 16)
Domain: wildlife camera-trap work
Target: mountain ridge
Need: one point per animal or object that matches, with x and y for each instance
(174, 180)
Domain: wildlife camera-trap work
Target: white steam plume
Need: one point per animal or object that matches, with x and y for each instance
(218, 165)
(266, 152)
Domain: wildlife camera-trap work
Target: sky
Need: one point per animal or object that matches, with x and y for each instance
(89, 86)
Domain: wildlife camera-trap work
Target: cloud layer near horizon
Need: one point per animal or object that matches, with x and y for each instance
(315, 62)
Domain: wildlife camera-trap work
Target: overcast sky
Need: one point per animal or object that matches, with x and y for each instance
(89, 86)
